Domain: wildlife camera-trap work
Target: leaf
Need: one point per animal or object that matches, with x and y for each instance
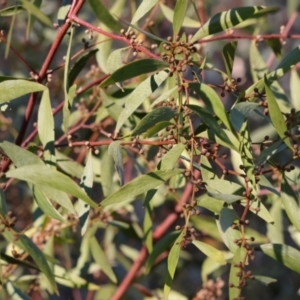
(36, 12)
(275, 231)
(259, 209)
(3, 205)
(31, 18)
(161, 245)
(207, 171)
(276, 116)
(169, 160)
(224, 190)
(267, 153)
(15, 293)
(86, 183)
(12, 89)
(156, 128)
(48, 177)
(276, 45)
(239, 255)
(208, 119)
(63, 11)
(139, 95)
(115, 60)
(152, 118)
(284, 254)
(284, 66)
(265, 183)
(45, 126)
(295, 89)
(139, 185)
(80, 64)
(228, 57)
(101, 260)
(264, 279)
(107, 169)
(210, 203)
(227, 218)
(179, 15)
(104, 16)
(143, 9)
(11, 10)
(164, 96)
(19, 156)
(212, 102)
(45, 204)
(69, 166)
(211, 252)
(39, 258)
(115, 151)
(169, 15)
(133, 69)
(226, 19)
(290, 202)
(172, 262)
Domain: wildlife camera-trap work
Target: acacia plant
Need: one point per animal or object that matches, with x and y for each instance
(132, 147)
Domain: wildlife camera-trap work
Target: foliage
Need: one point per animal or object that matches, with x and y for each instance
(137, 151)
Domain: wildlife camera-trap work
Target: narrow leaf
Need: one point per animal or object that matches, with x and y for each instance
(115, 151)
(228, 56)
(15, 293)
(158, 115)
(276, 116)
(295, 89)
(48, 177)
(179, 15)
(101, 260)
(284, 254)
(12, 89)
(170, 159)
(133, 69)
(45, 127)
(211, 252)
(140, 185)
(143, 9)
(172, 262)
(86, 183)
(11, 10)
(290, 202)
(139, 95)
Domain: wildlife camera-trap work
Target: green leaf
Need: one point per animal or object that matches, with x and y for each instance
(19, 156)
(224, 222)
(295, 89)
(172, 262)
(212, 102)
(286, 255)
(226, 19)
(69, 166)
(15, 293)
(156, 128)
(239, 257)
(101, 260)
(107, 168)
(143, 9)
(12, 89)
(31, 18)
(86, 183)
(39, 258)
(259, 209)
(211, 252)
(63, 11)
(275, 231)
(290, 202)
(157, 115)
(45, 204)
(48, 177)
(207, 171)
(36, 12)
(276, 116)
(45, 127)
(161, 246)
(179, 15)
(115, 151)
(264, 279)
(80, 64)
(224, 190)
(115, 60)
(267, 153)
(139, 186)
(210, 203)
(208, 119)
(284, 66)
(169, 14)
(164, 96)
(228, 56)
(170, 159)
(276, 45)
(104, 16)
(133, 69)
(139, 95)
(11, 10)
(3, 205)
